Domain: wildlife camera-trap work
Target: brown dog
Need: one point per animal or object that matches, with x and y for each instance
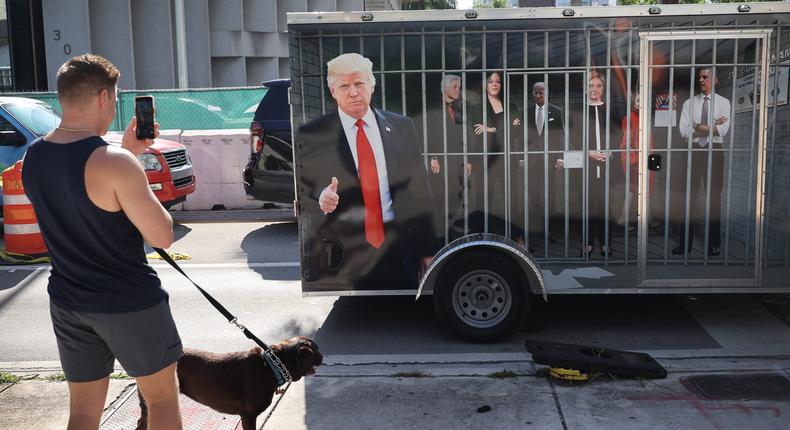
(239, 383)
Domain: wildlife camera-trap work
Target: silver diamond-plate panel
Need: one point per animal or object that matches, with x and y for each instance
(126, 412)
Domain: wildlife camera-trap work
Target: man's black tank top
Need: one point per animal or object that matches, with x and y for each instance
(98, 257)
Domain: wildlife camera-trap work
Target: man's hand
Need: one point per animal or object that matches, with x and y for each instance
(435, 167)
(599, 156)
(559, 164)
(516, 122)
(468, 169)
(131, 143)
(480, 128)
(721, 120)
(425, 263)
(329, 199)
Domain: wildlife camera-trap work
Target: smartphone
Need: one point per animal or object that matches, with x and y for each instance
(144, 110)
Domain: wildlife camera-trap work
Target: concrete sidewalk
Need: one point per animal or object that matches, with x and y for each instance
(458, 395)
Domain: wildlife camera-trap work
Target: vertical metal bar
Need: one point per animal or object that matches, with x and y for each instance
(445, 159)
(645, 45)
(523, 172)
(301, 75)
(760, 188)
(626, 217)
(427, 157)
(525, 136)
(402, 73)
(464, 115)
(545, 190)
(769, 174)
(709, 152)
(689, 154)
(484, 105)
(546, 49)
(506, 147)
(668, 182)
(566, 175)
(383, 73)
(585, 149)
(565, 135)
(732, 156)
(321, 62)
(605, 238)
(506, 155)
(751, 145)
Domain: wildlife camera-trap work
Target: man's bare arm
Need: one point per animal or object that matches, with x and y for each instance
(139, 202)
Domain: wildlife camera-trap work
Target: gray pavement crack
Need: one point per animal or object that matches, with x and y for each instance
(556, 397)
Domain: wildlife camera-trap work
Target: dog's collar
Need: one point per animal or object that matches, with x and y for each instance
(281, 373)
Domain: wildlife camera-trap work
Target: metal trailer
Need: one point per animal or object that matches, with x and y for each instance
(701, 209)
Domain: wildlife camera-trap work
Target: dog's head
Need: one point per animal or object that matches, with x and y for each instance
(300, 355)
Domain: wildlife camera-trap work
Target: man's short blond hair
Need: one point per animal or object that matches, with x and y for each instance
(346, 64)
(84, 76)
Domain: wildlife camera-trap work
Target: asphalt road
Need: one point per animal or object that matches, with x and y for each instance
(252, 268)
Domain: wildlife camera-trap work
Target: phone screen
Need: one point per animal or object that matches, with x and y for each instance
(144, 110)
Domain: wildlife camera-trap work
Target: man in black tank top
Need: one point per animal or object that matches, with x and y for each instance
(96, 210)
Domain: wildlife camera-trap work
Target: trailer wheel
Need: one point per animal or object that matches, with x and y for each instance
(481, 296)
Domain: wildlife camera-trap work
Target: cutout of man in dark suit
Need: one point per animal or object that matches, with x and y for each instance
(545, 132)
(368, 213)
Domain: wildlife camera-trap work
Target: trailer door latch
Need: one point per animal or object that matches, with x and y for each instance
(654, 162)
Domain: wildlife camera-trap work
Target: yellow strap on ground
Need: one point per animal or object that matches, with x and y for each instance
(567, 374)
(174, 255)
(14, 258)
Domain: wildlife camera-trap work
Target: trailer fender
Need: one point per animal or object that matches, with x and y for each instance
(506, 246)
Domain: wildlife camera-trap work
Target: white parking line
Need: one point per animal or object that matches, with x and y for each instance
(237, 265)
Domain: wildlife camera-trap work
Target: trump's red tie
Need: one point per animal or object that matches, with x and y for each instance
(369, 178)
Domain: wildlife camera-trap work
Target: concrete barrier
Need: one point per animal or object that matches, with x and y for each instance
(218, 158)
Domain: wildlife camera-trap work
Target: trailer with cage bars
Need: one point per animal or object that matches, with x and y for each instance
(636, 150)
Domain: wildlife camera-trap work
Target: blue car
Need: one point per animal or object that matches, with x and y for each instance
(21, 122)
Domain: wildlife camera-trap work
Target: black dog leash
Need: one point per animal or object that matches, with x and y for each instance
(281, 373)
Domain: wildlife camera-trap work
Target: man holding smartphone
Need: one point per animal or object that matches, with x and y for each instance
(95, 210)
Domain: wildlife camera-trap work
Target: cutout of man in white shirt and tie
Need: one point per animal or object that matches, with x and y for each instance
(705, 119)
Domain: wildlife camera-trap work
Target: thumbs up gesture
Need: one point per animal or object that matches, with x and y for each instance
(329, 198)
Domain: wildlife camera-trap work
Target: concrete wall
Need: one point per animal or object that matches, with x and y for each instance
(154, 52)
(67, 32)
(198, 43)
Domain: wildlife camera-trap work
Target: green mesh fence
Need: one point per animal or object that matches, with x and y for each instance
(195, 109)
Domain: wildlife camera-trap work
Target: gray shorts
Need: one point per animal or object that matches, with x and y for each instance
(144, 342)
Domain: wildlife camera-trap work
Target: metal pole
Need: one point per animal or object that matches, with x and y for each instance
(181, 45)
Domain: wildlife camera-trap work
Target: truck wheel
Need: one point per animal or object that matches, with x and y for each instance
(481, 296)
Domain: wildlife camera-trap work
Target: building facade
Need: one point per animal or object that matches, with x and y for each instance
(155, 43)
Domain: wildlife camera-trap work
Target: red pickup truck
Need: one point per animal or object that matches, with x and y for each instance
(168, 168)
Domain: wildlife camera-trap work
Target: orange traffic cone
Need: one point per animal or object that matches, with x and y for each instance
(22, 235)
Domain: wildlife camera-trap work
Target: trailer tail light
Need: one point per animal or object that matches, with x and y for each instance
(256, 137)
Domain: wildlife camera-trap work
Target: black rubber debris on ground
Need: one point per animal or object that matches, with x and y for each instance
(595, 359)
(483, 409)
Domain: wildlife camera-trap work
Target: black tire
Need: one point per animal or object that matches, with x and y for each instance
(481, 296)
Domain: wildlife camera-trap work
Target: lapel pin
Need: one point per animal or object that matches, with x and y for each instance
(387, 128)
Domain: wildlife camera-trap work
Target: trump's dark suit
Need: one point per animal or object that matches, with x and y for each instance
(336, 255)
